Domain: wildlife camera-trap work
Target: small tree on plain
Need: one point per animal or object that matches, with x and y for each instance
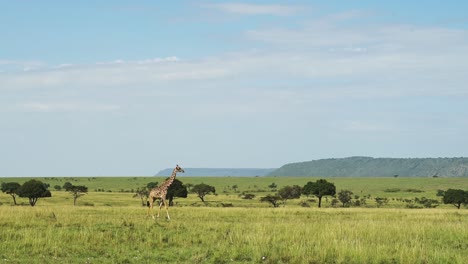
(289, 192)
(67, 186)
(202, 190)
(273, 199)
(319, 188)
(11, 188)
(77, 192)
(33, 190)
(142, 193)
(345, 197)
(176, 189)
(457, 197)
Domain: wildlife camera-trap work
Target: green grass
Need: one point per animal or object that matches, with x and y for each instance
(112, 227)
(67, 234)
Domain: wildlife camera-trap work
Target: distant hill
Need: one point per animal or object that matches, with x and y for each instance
(236, 172)
(376, 167)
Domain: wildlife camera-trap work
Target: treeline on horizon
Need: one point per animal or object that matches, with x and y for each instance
(347, 167)
(377, 167)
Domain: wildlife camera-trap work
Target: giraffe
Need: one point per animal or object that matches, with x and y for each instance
(161, 191)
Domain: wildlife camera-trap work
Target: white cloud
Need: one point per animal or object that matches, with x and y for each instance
(17, 65)
(255, 9)
(16, 62)
(145, 61)
(157, 60)
(65, 107)
(330, 84)
(393, 56)
(63, 65)
(319, 61)
(116, 73)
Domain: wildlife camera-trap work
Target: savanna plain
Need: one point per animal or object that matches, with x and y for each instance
(110, 225)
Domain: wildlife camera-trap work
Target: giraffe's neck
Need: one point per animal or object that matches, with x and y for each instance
(170, 180)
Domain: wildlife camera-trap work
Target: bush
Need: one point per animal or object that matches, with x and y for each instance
(427, 203)
(414, 190)
(335, 202)
(413, 206)
(247, 196)
(381, 201)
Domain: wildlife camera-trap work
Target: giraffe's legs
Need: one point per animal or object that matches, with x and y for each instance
(160, 205)
(150, 207)
(163, 201)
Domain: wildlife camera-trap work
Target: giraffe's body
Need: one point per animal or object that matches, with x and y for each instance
(160, 192)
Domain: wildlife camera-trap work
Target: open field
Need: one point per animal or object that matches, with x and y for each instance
(67, 234)
(111, 226)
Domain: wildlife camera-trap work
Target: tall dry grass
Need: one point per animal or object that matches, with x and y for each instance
(116, 234)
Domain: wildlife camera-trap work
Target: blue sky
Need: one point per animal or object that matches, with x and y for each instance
(131, 87)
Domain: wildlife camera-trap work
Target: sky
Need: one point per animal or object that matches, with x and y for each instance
(128, 88)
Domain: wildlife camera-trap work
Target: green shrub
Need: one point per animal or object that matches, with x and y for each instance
(392, 190)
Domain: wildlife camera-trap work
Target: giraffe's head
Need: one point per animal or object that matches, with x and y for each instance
(179, 169)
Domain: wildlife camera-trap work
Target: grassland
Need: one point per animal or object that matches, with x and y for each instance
(111, 226)
(259, 185)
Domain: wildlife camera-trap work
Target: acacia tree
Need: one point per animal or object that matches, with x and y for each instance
(143, 194)
(456, 197)
(319, 188)
(273, 199)
(289, 192)
(203, 189)
(345, 197)
(11, 188)
(176, 189)
(77, 191)
(33, 190)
